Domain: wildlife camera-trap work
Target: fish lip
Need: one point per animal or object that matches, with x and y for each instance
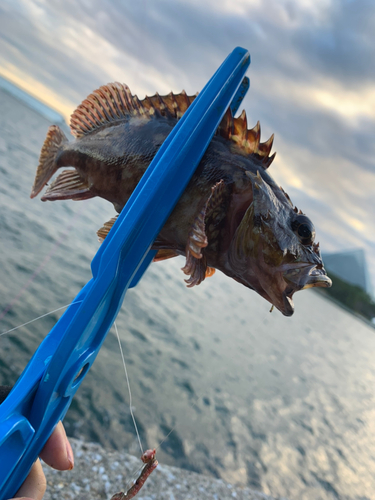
(316, 277)
(317, 280)
(288, 309)
(307, 277)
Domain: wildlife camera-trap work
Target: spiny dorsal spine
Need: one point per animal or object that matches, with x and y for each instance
(114, 102)
(248, 140)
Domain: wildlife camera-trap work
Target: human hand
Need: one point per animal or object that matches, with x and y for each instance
(57, 453)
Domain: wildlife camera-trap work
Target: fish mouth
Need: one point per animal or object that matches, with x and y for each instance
(301, 279)
(304, 277)
(317, 278)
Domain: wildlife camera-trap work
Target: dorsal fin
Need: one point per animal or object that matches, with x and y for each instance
(114, 102)
(247, 140)
(107, 104)
(171, 105)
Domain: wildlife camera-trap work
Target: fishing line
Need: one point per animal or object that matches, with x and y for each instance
(130, 394)
(191, 405)
(136, 473)
(39, 317)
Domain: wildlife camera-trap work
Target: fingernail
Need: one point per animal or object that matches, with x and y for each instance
(70, 456)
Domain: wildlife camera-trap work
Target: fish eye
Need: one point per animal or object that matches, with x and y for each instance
(304, 228)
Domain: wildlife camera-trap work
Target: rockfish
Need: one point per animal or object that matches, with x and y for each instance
(232, 215)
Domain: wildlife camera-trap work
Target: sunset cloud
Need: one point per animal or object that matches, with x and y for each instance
(312, 81)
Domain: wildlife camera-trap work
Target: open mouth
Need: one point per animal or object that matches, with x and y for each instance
(306, 277)
(315, 278)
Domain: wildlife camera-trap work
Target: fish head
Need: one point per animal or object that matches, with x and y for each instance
(273, 250)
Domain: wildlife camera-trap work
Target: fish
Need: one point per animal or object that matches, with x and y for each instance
(232, 217)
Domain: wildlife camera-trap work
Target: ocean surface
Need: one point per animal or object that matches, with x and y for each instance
(284, 405)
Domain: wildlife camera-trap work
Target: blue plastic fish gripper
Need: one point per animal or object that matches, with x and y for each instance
(44, 391)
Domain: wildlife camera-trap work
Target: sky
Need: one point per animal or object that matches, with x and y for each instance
(312, 77)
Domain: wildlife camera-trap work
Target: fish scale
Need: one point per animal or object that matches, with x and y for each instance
(256, 236)
(46, 387)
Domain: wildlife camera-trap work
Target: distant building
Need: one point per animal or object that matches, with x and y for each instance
(350, 266)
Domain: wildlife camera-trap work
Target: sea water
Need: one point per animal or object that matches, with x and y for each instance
(284, 405)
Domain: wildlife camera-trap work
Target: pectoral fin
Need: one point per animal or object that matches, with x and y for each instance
(196, 264)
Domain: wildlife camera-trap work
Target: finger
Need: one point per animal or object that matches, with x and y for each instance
(35, 484)
(57, 451)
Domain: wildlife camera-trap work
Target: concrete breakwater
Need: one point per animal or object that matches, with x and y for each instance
(98, 474)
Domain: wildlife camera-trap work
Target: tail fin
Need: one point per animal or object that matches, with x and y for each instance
(47, 161)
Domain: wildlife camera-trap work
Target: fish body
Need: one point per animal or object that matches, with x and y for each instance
(232, 216)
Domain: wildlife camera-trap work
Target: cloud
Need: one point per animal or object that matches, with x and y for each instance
(312, 80)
